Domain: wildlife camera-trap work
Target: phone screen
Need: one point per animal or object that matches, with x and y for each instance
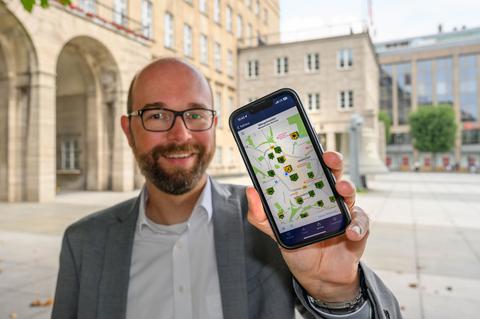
(289, 172)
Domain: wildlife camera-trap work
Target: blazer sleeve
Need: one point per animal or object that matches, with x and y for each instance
(66, 293)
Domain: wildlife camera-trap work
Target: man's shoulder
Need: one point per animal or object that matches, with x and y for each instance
(102, 219)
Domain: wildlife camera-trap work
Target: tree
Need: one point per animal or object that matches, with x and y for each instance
(387, 122)
(433, 129)
(29, 4)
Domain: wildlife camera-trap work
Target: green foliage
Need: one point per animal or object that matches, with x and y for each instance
(433, 128)
(387, 122)
(29, 4)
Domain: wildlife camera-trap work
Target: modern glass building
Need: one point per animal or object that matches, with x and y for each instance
(439, 69)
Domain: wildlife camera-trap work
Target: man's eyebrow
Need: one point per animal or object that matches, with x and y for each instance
(155, 105)
(199, 105)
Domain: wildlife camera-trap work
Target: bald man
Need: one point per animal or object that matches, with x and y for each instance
(189, 247)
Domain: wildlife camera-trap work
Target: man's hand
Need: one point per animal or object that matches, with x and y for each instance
(328, 270)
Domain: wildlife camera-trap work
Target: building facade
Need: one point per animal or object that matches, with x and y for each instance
(443, 68)
(65, 73)
(335, 78)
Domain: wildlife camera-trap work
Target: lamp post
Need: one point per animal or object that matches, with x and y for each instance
(355, 131)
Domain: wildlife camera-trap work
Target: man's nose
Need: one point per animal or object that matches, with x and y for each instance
(179, 131)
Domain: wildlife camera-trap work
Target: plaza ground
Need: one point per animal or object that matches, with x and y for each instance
(424, 243)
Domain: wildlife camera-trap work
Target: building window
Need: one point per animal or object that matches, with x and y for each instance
(281, 65)
(218, 56)
(345, 59)
(216, 11)
(230, 63)
(404, 91)
(218, 156)
(468, 88)
(312, 62)
(168, 30)
(345, 100)
(187, 40)
(249, 34)
(203, 7)
(424, 83)
(218, 106)
(444, 81)
(120, 12)
(252, 69)
(257, 7)
(231, 105)
(69, 155)
(313, 101)
(239, 27)
(471, 137)
(87, 5)
(228, 19)
(203, 49)
(386, 89)
(265, 16)
(147, 29)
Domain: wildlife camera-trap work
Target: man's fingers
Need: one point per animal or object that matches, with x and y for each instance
(360, 225)
(347, 190)
(334, 161)
(256, 215)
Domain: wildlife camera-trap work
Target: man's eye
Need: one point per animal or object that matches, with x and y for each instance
(195, 116)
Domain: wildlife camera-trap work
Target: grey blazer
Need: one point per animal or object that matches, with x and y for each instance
(254, 281)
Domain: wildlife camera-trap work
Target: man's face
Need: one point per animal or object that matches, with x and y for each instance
(175, 160)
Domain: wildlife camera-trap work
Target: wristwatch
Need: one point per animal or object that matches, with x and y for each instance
(342, 307)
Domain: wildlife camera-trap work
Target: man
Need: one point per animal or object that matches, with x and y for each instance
(184, 247)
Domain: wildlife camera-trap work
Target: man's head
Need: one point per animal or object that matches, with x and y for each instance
(174, 160)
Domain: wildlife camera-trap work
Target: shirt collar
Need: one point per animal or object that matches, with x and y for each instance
(204, 202)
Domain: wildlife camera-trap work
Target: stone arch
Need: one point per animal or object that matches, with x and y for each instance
(18, 73)
(87, 98)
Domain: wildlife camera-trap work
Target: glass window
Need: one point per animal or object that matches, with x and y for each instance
(312, 62)
(249, 34)
(252, 69)
(386, 89)
(203, 49)
(203, 6)
(216, 11)
(404, 91)
(468, 88)
(168, 29)
(187, 40)
(230, 63)
(345, 59)
(282, 65)
(218, 56)
(87, 5)
(147, 29)
(424, 83)
(345, 100)
(120, 12)
(314, 101)
(444, 81)
(239, 27)
(228, 19)
(69, 154)
(471, 137)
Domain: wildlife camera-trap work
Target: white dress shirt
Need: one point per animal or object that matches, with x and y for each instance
(173, 271)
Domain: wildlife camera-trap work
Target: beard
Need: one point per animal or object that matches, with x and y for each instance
(176, 181)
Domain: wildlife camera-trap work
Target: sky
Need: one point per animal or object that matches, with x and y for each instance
(393, 19)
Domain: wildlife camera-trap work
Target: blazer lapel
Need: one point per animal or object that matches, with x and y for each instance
(113, 288)
(230, 252)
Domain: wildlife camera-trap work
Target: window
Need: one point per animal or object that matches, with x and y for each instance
(345, 100)
(168, 30)
(404, 91)
(187, 40)
(444, 81)
(230, 63)
(203, 6)
(257, 7)
(252, 69)
(386, 89)
(281, 65)
(249, 34)
(424, 82)
(203, 49)
(312, 62)
(69, 155)
(218, 106)
(120, 12)
(471, 137)
(265, 16)
(231, 105)
(467, 65)
(344, 59)
(87, 5)
(216, 11)
(239, 27)
(218, 155)
(147, 29)
(228, 19)
(313, 101)
(218, 56)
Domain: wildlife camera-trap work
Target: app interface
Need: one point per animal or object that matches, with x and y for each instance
(289, 172)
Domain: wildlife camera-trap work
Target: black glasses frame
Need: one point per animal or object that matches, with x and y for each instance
(149, 107)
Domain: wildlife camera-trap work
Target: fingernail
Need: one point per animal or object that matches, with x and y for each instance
(357, 229)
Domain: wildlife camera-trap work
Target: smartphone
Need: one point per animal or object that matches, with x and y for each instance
(284, 160)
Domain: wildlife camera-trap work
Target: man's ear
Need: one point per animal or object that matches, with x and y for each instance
(125, 122)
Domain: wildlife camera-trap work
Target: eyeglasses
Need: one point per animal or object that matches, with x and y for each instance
(160, 119)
